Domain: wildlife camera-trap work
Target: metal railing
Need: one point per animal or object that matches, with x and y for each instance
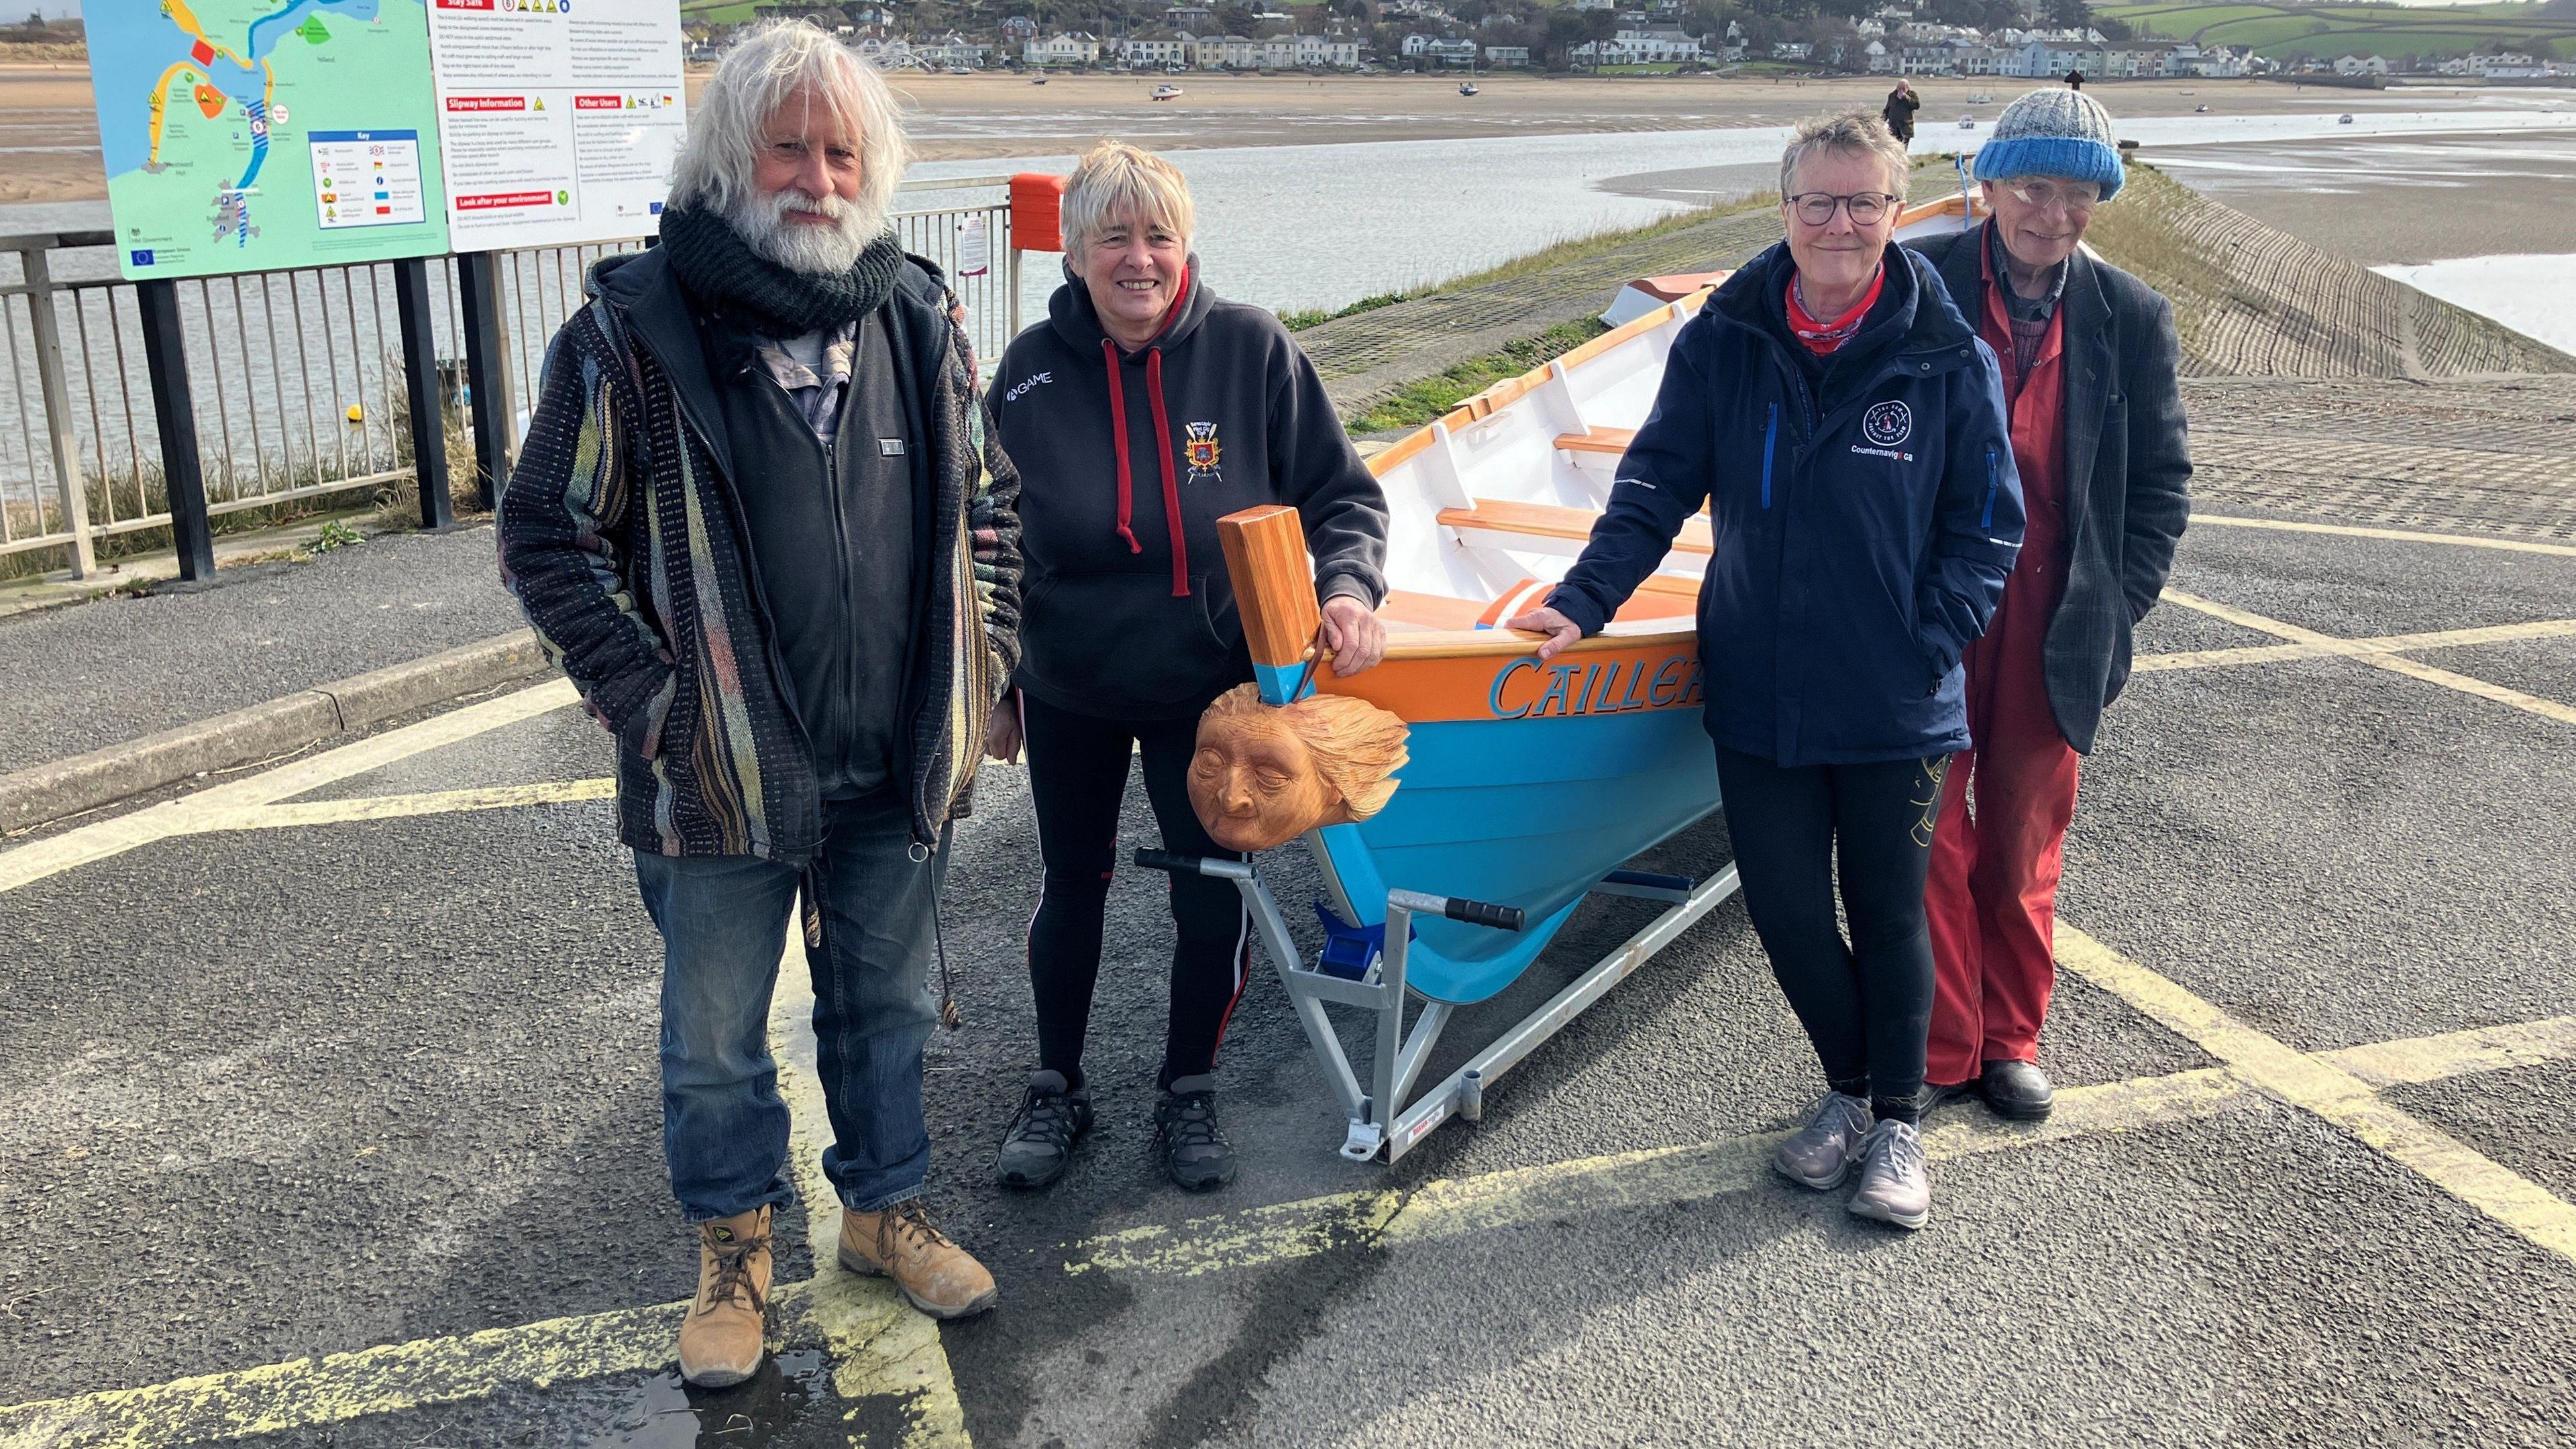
(296, 377)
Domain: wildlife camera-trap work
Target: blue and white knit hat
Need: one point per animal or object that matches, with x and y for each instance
(2054, 132)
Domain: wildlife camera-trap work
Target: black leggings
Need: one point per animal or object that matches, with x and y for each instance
(1866, 1005)
(1077, 780)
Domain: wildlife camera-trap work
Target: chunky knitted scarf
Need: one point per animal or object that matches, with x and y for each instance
(714, 262)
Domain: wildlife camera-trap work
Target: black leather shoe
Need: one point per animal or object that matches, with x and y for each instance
(2018, 1090)
(1937, 1095)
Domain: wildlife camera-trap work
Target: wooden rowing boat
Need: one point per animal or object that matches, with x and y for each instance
(1528, 786)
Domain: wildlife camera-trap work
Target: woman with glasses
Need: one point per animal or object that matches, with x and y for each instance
(1845, 428)
(2088, 355)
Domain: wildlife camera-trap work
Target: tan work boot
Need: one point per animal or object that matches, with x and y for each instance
(720, 1340)
(937, 1276)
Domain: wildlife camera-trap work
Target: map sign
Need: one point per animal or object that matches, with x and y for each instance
(560, 121)
(246, 135)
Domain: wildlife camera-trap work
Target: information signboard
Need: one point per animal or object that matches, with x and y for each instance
(247, 135)
(559, 118)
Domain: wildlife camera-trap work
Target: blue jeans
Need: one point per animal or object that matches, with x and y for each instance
(724, 923)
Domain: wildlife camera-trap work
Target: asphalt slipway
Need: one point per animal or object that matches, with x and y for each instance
(375, 1062)
(328, 1088)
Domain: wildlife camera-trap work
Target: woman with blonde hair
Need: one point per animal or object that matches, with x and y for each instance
(1140, 411)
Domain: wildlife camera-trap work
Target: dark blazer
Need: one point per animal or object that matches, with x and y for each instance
(2128, 468)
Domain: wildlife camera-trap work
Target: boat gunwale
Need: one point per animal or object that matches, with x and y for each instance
(1512, 389)
(1470, 643)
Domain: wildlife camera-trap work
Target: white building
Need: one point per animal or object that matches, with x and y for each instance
(1077, 47)
(952, 49)
(1451, 52)
(1164, 48)
(1507, 57)
(1642, 45)
(2361, 65)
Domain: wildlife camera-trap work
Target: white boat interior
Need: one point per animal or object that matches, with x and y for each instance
(1492, 504)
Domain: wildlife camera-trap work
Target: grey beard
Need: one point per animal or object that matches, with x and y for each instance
(821, 251)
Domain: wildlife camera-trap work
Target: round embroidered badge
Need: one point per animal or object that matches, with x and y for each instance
(1887, 424)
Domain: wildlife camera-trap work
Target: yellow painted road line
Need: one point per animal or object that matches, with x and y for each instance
(312, 1392)
(2458, 1053)
(880, 1346)
(2400, 535)
(2330, 648)
(2326, 644)
(35, 861)
(2452, 679)
(2243, 654)
(395, 807)
(2339, 1096)
(1654, 1178)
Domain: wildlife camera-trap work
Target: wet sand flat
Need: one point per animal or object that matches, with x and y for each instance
(48, 133)
(2411, 199)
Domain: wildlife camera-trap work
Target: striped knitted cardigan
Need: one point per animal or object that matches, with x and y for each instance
(624, 543)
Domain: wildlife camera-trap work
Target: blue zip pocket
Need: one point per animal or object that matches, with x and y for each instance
(1994, 485)
(1770, 440)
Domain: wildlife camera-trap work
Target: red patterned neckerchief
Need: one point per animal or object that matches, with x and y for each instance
(1822, 338)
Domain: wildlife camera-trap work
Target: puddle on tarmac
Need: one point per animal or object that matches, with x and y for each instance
(788, 1403)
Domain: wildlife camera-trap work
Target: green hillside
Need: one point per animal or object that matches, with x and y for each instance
(2283, 30)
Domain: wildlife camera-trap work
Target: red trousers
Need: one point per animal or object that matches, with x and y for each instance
(1991, 898)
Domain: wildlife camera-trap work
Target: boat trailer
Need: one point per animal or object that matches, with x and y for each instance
(1381, 1125)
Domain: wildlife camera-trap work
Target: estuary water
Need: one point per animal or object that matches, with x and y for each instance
(1313, 226)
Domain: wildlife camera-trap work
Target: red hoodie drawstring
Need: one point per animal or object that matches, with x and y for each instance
(1118, 445)
(1162, 440)
(1171, 481)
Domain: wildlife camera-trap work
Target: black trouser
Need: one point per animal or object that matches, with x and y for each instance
(1077, 779)
(1867, 1005)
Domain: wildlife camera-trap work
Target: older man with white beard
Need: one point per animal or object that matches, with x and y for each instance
(761, 521)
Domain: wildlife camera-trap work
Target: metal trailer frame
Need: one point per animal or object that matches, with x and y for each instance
(1380, 1123)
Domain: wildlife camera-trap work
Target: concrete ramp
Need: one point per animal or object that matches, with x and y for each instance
(2255, 302)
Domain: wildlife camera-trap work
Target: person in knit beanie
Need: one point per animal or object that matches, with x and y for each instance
(2054, 132)
(2088, 355)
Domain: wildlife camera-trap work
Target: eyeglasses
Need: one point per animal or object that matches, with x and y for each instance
(2076, 196)
(1816, 208)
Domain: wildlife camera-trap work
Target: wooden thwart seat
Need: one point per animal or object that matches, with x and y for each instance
(1612, 441)
(1548, 528)
(1403, 610)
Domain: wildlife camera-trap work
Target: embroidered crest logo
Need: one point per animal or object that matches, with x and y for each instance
(1201, 452)
(1887, 424)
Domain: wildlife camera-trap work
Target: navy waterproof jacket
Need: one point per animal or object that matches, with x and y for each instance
(1862, 521)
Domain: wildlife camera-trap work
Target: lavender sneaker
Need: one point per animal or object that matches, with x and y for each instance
(1822, 1152)
(1895, 1183)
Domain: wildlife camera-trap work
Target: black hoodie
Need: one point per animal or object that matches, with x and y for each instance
(1127, 611)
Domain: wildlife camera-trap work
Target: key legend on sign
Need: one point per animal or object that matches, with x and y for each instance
(366, 178)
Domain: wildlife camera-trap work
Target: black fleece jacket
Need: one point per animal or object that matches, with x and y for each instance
(1127, 611)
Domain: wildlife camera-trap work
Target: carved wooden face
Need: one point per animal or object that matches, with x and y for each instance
(1254, 784)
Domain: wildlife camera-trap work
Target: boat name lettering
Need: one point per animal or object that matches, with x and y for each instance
(1612, 686)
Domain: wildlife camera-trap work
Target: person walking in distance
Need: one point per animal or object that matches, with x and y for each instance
(1845, 428)
(762, 520)
(2089, 360)
(1901, 105)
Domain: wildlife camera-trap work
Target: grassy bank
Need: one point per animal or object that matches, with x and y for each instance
(1571, 250)
(1419, 403)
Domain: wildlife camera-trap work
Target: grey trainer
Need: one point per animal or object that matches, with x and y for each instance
(1822, 1152)
(1895, 1183)
(1052, 1117)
